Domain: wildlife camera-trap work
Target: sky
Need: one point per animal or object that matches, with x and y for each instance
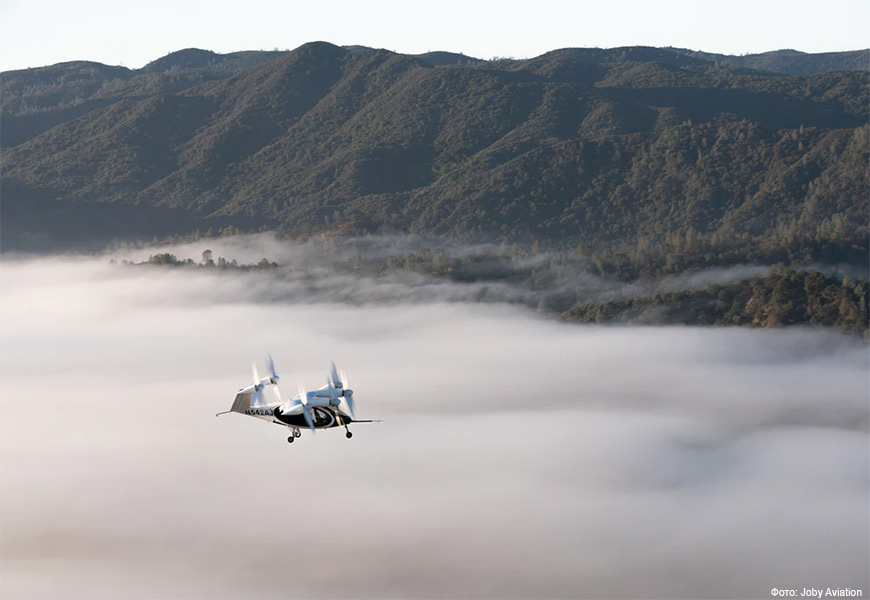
(518, 457)
(132, 34)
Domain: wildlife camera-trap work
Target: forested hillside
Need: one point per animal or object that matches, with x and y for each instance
(34, 100)
(783, 297)
(627, 149)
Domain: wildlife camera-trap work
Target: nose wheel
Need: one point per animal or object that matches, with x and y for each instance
(290, 439)
(348, 435)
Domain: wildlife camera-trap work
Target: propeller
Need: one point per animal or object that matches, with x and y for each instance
(258, 387)
(274, 376)
(303, 396)
(343, 385)
(334, 374)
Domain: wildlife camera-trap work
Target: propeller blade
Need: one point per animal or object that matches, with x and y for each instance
(307, 412)
(344, 382)
(348, 398)
(303, 396)
(274, 375)
(256, 375)
(257, 398)
(334, 373)
(277, 393)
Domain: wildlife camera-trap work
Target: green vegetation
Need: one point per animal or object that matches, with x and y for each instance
(783, 297)
(165, 259)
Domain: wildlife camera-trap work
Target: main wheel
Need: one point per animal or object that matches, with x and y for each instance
(290, 440)
(348, 435)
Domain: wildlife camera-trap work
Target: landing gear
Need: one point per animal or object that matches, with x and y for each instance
(348, 435)
(294, 433)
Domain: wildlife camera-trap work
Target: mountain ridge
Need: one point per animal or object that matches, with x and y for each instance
(36, 99)
(788, 61)
(577, 146)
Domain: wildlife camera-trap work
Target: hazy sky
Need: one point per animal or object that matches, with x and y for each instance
(39, 33)
(518, 456)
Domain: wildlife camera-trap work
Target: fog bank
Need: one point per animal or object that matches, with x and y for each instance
(518, 457)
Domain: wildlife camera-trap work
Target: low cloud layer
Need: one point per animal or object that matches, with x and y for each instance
(518, 457)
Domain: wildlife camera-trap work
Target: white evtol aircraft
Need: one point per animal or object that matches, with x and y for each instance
(315, 410)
